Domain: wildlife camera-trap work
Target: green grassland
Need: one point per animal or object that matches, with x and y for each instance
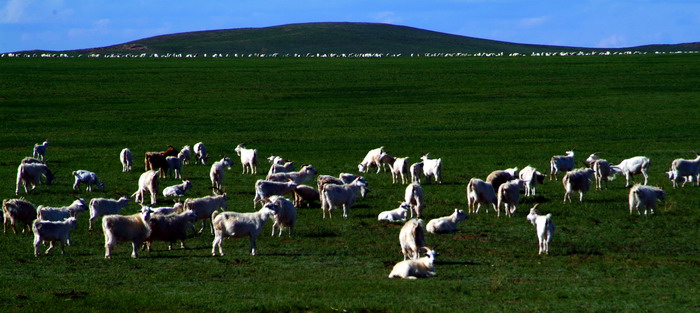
(478, 115)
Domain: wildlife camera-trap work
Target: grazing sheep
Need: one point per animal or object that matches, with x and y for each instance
(496, 178)
(177, 190)
(285, 215)
(234, 225)
(205, 206)
(306, 172)
(531, 178)
(630, 167)
(508, 197)
(127, 159)
(17, 210)
(185, 155)
(265, 189)
(341, 195)
(200, 153)
(412, 238)
(148, 182)
(371, 159)
(545, 228)
(52, 231)
(216, 174)
(686, 170)
(174, 166)
(399, 168)
(413, 195)
(418, 268)
(40, 150)
(88, 178)
(249, 159)
(134, 228)
(432, 168)
(30, 174)
(561, 163)
(480, 192)
(170, 228)
(61, 213)
(577, 180)
(645, 197)
(395, 215)
(446, 224)
(100, 207)
(305, 193)
(416, 171)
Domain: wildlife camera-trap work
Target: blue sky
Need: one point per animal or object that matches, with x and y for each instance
(73, 24)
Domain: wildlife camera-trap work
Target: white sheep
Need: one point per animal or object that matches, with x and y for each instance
(630, 167)
(127, 159)
(148, 182)
(88, 178)
(480, 192)
(170, 228)
(52, 231)
(299, 177)
(285, 215)
(341, 195)
(644, 197)
(61, 213)
(232, 224)
(395, 215)
(265, 189)
(545, 228)
(249, 159)
(531, 178)
(279, 165)
(416, 171)
(177, 190)
(40, 150)
(178, 207)
(446, 224)
(561, 163)
(496, 178)
(205, 206)
(200, 153)
(15, 211)
(371, 159)
(432, 168)
(174, 166)
(185, 154)
(686, 170)
(100, 207)
(30, 174)
(399, 168)
(134, 228)
(412, 238)
(216, 174)
(602, 172)
(385, 160)
(508, 195)
(413, 195)
(577, 180)
(418, 268)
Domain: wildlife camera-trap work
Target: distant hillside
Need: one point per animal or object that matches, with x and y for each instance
(334, 38)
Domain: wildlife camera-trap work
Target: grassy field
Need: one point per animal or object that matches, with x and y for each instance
(478, 115)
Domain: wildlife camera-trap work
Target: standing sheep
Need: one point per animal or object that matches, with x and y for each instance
(249, 159)
(134, 228)
(18, 210)
(148, 182)
(235, 225)
(52, 231)
(285, 215)
(413, 195)
(127, 159)
(545, 228)
(412, 238)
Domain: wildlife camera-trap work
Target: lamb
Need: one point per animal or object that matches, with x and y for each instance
(416, 171)
(480, 192)
(265, 189)
(185, 154)
(216, 174)
(232, 224)
(531, 178)
(40, 150)
(395, 215)
(249, 159)
(432, 168)
(399, 167)
(134, 228)
(170, 228)
(30, 174)
(602, 171)
(148, 182)
(88, 178)
(285, 215)
(127, 159)
(644, 197)
(100, 207)
(496, 178)
(61, 213)
(15, 211)
(577, 180)
(178, 207)
(630, 167)
(345, 195)
(446, 224)
(508, 197)
(545, 228)
(561, 163)
(413, 195)
(689, 169)
(52, 231)
(305, 193)
(177, 190)
(200, 153)
(205, 206)
(174, 166)
(418, 268)
(298, 178)
(371, 159)
(412, 238)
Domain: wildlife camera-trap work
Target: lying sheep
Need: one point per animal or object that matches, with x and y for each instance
(417, 268)
(170, 228)
(18, 210)
(134, 228)
(235, 225)
(395, 215)
(412, 238)
(446, 224)
(52, 231)
(177, 190)
(178, 207)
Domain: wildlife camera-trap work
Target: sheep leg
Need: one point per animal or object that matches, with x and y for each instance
(274, 226)
(252, 245)
(217, 243)
(135, 245)
(50, 247)
(37, 242)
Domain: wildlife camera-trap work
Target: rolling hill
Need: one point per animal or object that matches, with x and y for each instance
(335, 38)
